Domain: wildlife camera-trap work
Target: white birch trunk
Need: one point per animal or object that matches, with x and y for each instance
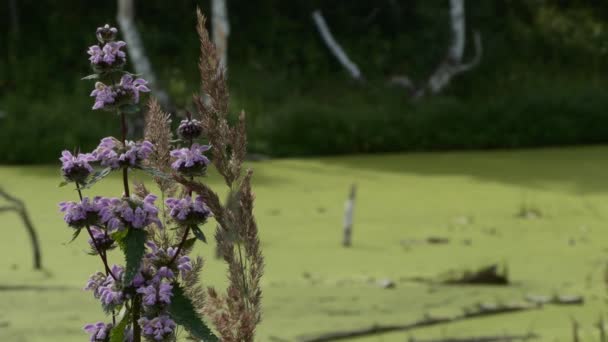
(220, 30)
(452, 65)
(137, 53)
(334, 47)
(349, 211)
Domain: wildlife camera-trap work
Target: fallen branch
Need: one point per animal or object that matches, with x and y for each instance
(498, 338)
(19, 207)
(334, 47)
(480, 311)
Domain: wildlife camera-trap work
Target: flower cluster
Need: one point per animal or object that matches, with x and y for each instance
(76, 168)
(185, 212)
(189, 129)
(113, 154)
(191, 161)
(160, 256)
(160, 328)
(108, 54)
(117, 214)
(99, 332)
(107, 289)
(125, 93)
(107, 57)
(79, 215)
(100, 241)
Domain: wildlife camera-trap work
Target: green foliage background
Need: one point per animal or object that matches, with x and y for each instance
(540, 81)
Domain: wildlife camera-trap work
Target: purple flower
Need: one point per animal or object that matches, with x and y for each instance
(100, 332)
(78, 215)
(186, 212)
(119, 213)
(106, 33)
(104, 95)
(76, 168)
(184, 265)
(111, 153)
(191, 161)
(158, 329)
(110, 292)
(107, 57)
(190, 129)
(102, 240)
(163, 272)
(156, 293)
(134, 86)
(127, 92)
(105, 288)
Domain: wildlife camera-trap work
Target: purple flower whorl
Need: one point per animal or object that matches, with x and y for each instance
(79, 215)
(190, 129)
(118, 213)
(99, 332)
(160, 328)
(186, 212)
(191, 161)
(76, 168)
(111, 153)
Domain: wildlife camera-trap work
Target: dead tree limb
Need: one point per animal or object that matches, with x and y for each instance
(480, 311)
(334, 47)
(137, 53)
(19, 207)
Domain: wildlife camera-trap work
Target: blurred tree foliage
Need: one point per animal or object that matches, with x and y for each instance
(541, 80)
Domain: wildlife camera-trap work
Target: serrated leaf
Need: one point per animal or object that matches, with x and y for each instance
(118, 332)
(64, 183)
(91, 77)
(199, 233)
(154, 172)
(135, 249)
(96, 177)
(129, 108)
(183, 313)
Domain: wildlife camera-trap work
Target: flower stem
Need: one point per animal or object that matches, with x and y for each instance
(135, 315)
(185, 237)
(125, 175)
(99, 251)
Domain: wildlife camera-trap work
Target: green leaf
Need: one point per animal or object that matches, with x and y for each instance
(154, 172)
(129, 108)
(198, 233)
(118, 332)
(91, 77)
(183, 313)
(188, 244)
(75, 235)
(96, 177)
(135, 249)
(64, 183)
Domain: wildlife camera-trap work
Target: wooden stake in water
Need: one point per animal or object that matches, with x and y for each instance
(349, 208)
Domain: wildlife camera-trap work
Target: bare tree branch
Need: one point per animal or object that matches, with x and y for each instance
(19, 207)
(334, 47)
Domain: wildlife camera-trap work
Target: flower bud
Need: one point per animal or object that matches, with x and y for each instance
(106, 33)
(190, 129)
